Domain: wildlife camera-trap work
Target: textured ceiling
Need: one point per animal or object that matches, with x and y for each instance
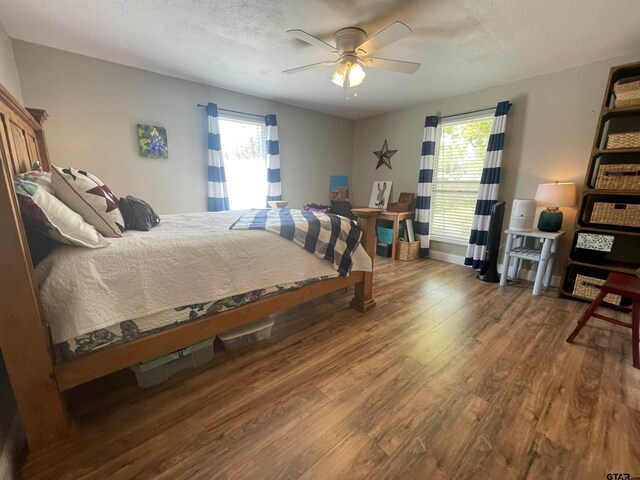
(463, 45)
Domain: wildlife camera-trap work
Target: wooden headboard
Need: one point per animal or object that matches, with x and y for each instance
(24, 338)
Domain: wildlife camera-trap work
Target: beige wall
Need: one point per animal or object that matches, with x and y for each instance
(9, 77)
(9, 435)
(549, 136)
(94, 107)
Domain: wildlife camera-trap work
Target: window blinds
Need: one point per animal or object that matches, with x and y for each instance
(460, 150)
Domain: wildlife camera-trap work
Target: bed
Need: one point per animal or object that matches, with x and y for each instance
(42, 362)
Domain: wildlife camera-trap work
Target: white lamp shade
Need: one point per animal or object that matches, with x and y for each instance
(556, 194)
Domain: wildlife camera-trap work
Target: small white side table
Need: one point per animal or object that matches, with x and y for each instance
(543, 253)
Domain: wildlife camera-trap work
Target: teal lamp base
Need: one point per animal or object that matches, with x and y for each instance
(550, 220)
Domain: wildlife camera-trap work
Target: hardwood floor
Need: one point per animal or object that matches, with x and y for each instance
(449, 377)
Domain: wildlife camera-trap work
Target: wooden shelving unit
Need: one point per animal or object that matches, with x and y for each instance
(626, 254)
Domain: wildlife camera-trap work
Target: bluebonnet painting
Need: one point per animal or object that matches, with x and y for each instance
(153, 141)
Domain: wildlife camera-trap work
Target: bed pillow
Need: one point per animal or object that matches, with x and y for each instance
(43, 179)
(45, 213)
(138, 214)
(87, 195)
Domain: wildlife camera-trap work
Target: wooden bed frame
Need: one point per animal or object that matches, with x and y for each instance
(37, 375)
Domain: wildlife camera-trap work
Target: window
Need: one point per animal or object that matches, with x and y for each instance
(245, 162)
(461, 146)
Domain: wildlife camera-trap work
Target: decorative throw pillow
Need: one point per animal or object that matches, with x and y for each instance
(44, 212)
(138, 214)
(91, 198)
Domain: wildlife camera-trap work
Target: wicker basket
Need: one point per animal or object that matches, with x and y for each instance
(623, 140)
(408, 250)
(619, 176)
(622, 87)
(622, 214)
(589, 288)
(627, 94)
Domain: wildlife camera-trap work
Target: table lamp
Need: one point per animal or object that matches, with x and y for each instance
(553, 196)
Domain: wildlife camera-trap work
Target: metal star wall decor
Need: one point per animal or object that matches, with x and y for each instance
(384, 156)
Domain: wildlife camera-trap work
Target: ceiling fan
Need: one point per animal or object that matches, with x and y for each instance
(354, 50)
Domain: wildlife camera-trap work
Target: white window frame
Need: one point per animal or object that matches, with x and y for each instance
(444, 123)
(254, 121)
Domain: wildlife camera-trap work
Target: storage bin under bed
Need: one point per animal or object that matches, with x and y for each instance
(159, 369)
(247, 334)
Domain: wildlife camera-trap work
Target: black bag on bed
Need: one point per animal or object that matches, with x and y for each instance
(138, 214)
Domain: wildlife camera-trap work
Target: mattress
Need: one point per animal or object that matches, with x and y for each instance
(188, 259)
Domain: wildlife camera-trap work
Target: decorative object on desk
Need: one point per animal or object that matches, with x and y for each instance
(380, 194)
(618, 176)
(553, 196)
(594, 241)
(384, 155)
(278, 203)
(403, 204)
(153, 141)
(523, 212)
(339, 187)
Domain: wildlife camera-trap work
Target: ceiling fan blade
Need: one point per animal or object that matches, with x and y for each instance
(311, 40)
(394, 32)
(393, 65)
(309, 67)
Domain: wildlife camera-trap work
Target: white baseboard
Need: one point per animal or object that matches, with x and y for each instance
(10, 450)
(524, 274)
(447, 257)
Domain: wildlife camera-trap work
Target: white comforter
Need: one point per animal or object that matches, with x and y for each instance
(187, 259)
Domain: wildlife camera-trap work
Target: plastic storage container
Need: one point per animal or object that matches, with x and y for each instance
(385, 235)
(247, 334)
(159, 369)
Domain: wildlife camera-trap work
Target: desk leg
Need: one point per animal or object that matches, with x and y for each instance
(396, 227)
(542, 265)
(505, 260)
(549, 269)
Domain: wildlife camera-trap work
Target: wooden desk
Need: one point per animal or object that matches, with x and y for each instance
(396, 217)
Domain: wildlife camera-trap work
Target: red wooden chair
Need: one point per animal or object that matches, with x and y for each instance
(627, 286)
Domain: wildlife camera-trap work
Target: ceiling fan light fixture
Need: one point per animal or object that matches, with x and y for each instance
(356, 75)
(339, 74)
(337, 78)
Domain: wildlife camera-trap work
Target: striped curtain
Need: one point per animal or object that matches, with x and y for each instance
(274, 187)
(488, 194)
(425, 179)
(218, 198)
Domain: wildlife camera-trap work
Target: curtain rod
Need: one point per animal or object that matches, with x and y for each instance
(235, 111)
(472, 111)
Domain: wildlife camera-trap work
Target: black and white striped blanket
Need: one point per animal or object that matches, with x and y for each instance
(328, 236)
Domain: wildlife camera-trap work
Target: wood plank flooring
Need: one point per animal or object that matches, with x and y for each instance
(449, 377)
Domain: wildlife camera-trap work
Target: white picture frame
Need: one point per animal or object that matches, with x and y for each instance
(380, 194)
(410, 233)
